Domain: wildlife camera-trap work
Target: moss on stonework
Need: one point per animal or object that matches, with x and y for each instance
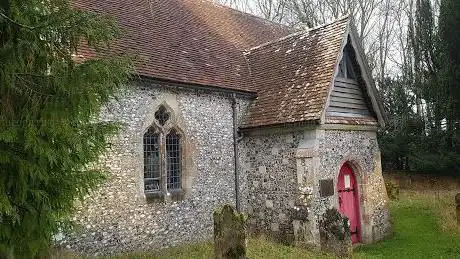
(330, 220)
(334, 233)
(229, 233)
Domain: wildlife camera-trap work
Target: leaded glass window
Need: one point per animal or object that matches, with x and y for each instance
(162, 156)
(173, 160)
(152, 162)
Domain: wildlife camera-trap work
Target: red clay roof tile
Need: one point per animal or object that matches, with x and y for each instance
(293, 75)
(191, 41)
(199, 42)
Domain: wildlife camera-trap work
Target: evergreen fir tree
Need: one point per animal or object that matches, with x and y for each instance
(49, 105)
(428, 141)
(449, 34)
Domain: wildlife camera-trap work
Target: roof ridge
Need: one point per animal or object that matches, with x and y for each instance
(305, 31)
(343, 17)
(248, 14)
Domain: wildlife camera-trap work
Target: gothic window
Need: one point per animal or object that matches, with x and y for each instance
(162, 156)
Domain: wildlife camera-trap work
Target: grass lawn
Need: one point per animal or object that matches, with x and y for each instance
(424, 223)
(257, 248)
(420, 225)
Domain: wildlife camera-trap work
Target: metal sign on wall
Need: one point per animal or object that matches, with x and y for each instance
(326, 187)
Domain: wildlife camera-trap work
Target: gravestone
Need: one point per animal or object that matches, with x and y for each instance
(229, 233)
(457, 201)
(334, 234)
(301, 226)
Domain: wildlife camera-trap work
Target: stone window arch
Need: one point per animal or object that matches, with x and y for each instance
(163, 144)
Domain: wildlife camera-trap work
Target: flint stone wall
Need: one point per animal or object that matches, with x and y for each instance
(118, 217)
(280, 172)
(268, 162)
(283, 172)
(360, 149)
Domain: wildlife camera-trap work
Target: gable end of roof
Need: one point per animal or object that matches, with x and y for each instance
(293, 75)
(369, 83)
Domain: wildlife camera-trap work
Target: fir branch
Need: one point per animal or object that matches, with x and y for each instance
(44, 25)
(15, 22)
(27, 82)
(47, 134)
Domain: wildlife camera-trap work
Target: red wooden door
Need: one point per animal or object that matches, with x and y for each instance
(347, 188)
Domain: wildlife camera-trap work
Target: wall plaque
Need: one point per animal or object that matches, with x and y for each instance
(326, 188)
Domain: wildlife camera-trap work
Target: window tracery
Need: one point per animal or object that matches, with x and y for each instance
(162, 156)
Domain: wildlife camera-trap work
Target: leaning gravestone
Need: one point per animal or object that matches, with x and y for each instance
(457, 201)
(335, 235)
(229, 233)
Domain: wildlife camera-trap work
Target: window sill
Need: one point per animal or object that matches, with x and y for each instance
(176, 195)
(171, 195)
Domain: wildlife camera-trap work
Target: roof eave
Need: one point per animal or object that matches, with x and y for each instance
(193, 86)
(296, 124)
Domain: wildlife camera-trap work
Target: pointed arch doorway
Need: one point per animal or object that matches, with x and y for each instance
(348, 195)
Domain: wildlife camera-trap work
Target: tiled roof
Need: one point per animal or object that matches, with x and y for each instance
(293, 75)
(191, 41)
(199, 42)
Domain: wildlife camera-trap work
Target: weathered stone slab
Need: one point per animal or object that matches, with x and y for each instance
(229, 233)
(301, 226)
(335, 236)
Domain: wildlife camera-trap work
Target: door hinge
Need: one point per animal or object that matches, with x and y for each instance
(354, 232)
(347, 190)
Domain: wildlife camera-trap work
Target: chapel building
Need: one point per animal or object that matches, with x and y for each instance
(228, 108)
